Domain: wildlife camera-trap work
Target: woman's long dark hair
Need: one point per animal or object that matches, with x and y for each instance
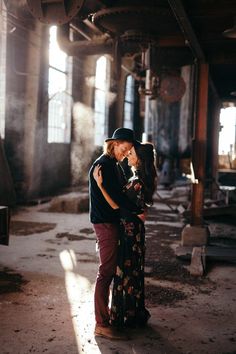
(147, 169)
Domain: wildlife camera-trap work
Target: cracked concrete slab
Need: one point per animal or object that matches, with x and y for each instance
(50, 309)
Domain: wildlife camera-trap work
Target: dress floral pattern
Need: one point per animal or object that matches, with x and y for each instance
(128, 303)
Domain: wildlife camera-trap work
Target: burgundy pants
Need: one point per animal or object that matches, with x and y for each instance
(107, 237)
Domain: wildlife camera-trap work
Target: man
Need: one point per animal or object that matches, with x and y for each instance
(105, 221)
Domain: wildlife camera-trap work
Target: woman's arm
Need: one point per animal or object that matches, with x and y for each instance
(97, 174)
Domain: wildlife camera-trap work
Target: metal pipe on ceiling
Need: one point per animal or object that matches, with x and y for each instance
(98, 45)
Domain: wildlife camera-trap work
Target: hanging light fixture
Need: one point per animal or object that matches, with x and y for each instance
(231, 32)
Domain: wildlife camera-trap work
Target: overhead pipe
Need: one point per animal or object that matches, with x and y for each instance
(102, 44)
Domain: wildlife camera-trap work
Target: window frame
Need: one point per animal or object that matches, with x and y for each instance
(101, 88)
(59, 102)
(129, 101)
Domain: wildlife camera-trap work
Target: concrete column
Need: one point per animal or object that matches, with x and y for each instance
(32, 89)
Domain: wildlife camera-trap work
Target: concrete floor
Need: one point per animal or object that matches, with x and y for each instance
(47, 283)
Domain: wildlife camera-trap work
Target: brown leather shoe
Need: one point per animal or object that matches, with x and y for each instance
(109, 332)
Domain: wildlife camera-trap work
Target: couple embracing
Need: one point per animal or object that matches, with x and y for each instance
(117, 211)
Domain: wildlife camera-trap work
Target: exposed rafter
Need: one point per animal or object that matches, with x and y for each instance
(186, 28)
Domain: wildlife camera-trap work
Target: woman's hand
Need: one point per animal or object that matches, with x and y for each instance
(97, 174)
(143, 216)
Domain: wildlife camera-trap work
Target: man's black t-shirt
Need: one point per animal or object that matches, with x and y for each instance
(113, 181)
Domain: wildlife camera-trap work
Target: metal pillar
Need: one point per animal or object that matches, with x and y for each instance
(199, 146)
(196, 234)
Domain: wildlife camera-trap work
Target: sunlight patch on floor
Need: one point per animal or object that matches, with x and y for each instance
(80, 293)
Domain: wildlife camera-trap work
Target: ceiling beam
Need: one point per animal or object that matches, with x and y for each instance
(172, 41)
(186, 28)
(189, 34)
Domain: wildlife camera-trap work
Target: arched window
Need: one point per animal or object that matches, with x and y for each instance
(59, 92)
(100, 100)
(129, 103)
(3, 39)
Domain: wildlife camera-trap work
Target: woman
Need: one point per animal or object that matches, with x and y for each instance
(128, 303)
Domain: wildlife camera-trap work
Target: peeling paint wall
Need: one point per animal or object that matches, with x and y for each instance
(186, 113)
(37, 168)
(168, 125)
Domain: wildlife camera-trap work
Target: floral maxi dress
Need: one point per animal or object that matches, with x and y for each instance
(128, 302)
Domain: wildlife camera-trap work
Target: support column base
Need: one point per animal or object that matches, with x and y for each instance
(198, 261)
(194, 235)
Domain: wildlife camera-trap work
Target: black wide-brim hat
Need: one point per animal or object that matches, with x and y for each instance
(125, 134)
